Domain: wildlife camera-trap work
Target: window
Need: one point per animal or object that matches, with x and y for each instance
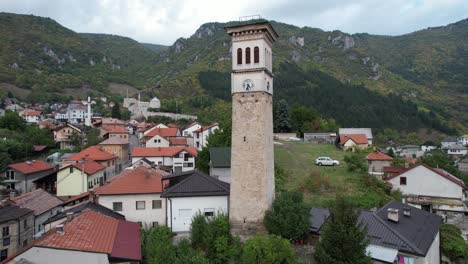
(209, 212)
(108, 163)
(11, 174)
(155, 224)
(25, 243)
(140, 205)
(256, 55)
(157, 204)
(38, 227)
(25, 223)
(5, 231)
(90, 185)
(3, 254)
(188, 164)
(247, 56)
(402, 180)
(117, 206)
(71, 169)
(239, 56)
(6, 241)
(113, 162)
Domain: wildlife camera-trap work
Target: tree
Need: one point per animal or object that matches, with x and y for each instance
(344, 239)
(302, 117)
(115, 112)
(282, 123)
(220, 138)
(355, 163)
(288, 217)
(452, 243)
(157, 245)
(267, 249)
(391, 153)
(12, 121)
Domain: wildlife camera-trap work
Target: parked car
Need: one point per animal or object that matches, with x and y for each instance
(321, 161)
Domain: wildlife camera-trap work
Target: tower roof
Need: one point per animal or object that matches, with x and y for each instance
(264, 26)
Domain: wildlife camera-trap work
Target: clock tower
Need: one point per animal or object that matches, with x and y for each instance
(252, 160)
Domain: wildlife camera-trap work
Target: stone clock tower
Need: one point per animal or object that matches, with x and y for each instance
(252, 161)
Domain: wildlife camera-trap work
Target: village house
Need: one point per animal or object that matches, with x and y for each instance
(192, 192)
(448, 142)
(200, 136)
(463, 140)
(220, 163)
(63, 135)
(155, 103)
(136, 194)
(152, 136)
(188, 130)
(43, 204)
(90, 237)
(108, 122)
(16, 227)
(31, 116)
(377, 161)
(78, 178)
(320, 137)
(119, 147)
(75, 113)
(456, 150)
(463, 165)
(23, 176)
(353, 142)
(427, 148)
(431, 189)
(409, 151)
(173, 159)
(99, 155)
(180, 142)
(397, 233)
(115, 131)
(354, 131)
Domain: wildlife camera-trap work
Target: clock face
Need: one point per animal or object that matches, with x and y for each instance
(248, 85)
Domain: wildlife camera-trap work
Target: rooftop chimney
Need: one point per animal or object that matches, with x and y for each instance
(60, 230)
(12, 195)
(407, 211)
(392, 215)
(69, 216)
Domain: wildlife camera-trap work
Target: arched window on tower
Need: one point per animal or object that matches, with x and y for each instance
(247, 56)
(256, 55)
(239, 56)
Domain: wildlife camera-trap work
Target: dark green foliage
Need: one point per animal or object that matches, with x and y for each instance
(267, 249)
(187, 255)
(157, 245)
(343, 240)
(281, 118)
(220, 138)
(12, 121)
(280, 178)
(216, 84)
(391, 153)
(4, 160)
(115, 113)
(93, 137)
(288, 217)
(398, 162)
(355, 163)
(304, 119)
(452, 243)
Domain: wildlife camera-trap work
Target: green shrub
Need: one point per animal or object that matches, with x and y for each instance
(186, 254)
(355, 163)
(157, 245)
(267, 249)
(288, 217)
(452, 243)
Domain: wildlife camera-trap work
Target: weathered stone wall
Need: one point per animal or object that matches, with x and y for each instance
(252, 162)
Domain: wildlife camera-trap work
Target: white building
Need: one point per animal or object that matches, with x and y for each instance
(136, 194)
(188, 131)
(220, 163)
(430, 188)
(351, 131)
(155, 103)
(193, 192)
(448, 142)
(76, 113)
(463, 140)
(175, 159)
(32, 116)
(427, 148)
(200, 136)
(456, 150)
(157, 141)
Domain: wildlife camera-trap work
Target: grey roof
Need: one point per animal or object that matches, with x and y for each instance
(194, 183)
(450, 139)
(413, 234)
(463, 161)
(409, 147)
(220, 157)
(86, 205)
(10, 212)
(456, 146)
(366, 131)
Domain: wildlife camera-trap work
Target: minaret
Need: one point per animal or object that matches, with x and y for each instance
(252, 160)
(89, 115)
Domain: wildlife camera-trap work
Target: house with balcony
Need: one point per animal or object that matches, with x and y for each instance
(98, 154)
(200, 136)
(24, 176)
(63, 135)
(172, 159)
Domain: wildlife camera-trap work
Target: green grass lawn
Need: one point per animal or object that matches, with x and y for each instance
(320, 184)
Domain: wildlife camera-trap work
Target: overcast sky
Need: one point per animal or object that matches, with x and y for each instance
(164, 21)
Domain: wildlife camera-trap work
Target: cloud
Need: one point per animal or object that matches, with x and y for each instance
(163, 21)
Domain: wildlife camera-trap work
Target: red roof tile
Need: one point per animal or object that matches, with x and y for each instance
(378, 156)
(91, 231)
(29, 167)
(32, 113)
(411, 160)
(116, 130)
(203, 128)
(162, 151)
(357, 138)
(115, 141)
(39, 148)
(138, 180)
(194, 123)
(163, 132)
(90, 167)
(180, 141)
(112, 121)
(38, 200)
(391, 169)
(173, 125)
(92, 153)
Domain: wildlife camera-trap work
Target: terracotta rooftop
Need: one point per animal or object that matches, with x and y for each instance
(89, 167)
(38, 200)
(163, 132)
(203, 128)
(92, 153)
(162, 151)
(115, 141)
(357, 138)
(194, 123)
(32, 113)
(116, 130)
(178, 141)
(112, 121)
(33, 166)
(378, 156)
(91, 231)
(39, 148)
(138, 180)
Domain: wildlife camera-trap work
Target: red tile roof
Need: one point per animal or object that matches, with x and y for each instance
(92, 153)
(90, 167)
(91, 231)
(179, 141)
(32, 113)
(162, 151)
(39, 148)
(163, 132)
(357, 138)
(203, 128)
(116, 130)
(38, 200)
(440, 172)
(115, 141)
(173, 125)
(112, 121)
(411, 160)
(393, 170)
(33, 166)
(134, 181)
(194, 123)
(378, 156)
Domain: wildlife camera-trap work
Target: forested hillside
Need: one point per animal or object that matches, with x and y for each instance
(411, 81)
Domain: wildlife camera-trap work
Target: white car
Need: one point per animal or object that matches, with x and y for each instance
(321, 161)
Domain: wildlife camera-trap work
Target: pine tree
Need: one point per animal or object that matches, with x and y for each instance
(282, 122)
(344, 239)
(115, 112)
